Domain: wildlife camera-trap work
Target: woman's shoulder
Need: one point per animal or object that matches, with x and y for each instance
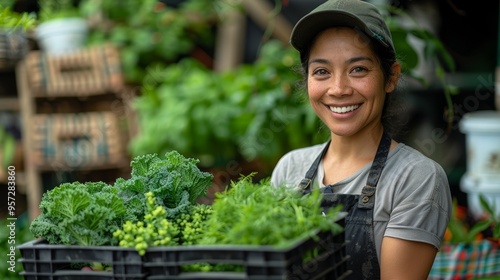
(408, 161)
(412, 156)
(310, 152)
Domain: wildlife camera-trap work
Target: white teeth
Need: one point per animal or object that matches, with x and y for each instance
(342, 110)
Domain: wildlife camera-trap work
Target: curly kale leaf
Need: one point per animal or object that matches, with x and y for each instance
(175, 181)
(80, 214)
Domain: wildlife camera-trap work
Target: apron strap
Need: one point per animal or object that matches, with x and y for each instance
(305, 184)
(379, 161)
(367, 193)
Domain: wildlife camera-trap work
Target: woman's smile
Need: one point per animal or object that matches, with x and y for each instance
(344, 109)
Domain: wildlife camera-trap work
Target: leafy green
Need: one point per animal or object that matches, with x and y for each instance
(89, 213)
(79, 214)
(175, 181)
(259, 214)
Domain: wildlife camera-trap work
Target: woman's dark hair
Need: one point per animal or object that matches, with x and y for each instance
(394, 114)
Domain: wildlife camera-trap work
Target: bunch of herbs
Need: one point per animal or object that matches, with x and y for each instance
(251, 213)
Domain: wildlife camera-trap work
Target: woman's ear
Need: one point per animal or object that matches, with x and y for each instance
(392, 82)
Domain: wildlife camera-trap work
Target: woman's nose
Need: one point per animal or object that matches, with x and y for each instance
(339, 86)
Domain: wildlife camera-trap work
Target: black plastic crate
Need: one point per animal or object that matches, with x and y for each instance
(43, 261)
(256, 262)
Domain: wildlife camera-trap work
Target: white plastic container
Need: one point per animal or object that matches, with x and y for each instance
(482, 129)
(63, 35)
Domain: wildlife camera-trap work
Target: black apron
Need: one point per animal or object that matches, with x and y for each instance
(359, 233)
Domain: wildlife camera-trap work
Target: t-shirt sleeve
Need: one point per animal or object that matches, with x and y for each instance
(422, 205)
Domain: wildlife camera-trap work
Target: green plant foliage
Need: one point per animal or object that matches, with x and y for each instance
(80, 214)
(467, 231)
(149, 32)
(56, 9)
(259, 214)
(12, 20)
(175, 181)
(88, 213)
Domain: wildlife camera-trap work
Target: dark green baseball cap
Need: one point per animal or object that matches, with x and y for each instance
(357, 14)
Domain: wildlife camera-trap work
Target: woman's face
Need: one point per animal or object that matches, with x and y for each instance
(345, 82)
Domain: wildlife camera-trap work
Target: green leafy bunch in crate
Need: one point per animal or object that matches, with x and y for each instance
(89, 213)
(247, 213)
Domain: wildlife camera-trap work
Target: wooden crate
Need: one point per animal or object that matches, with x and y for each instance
(90, 71)
(76, 141)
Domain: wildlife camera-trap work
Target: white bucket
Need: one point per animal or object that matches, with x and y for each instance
(62, 35)
(482, 129)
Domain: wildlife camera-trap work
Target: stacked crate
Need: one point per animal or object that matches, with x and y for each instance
(92, 71)
(73, 117)
(76, 140)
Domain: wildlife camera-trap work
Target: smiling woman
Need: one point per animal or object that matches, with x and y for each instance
(346, 79)
(398, 200)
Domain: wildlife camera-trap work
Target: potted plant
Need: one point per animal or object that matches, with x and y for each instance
(13, 30)
(62, 29)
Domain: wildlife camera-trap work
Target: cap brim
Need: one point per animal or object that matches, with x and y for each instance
(309, 26)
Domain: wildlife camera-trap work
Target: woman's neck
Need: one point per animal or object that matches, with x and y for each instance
(347, 154)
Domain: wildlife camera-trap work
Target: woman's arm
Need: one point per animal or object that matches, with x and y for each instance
(405, 260)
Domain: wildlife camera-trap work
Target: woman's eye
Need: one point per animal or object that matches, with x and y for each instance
(320, 72)
(358, 69)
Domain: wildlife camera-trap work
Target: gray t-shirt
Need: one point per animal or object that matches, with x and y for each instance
(412, 199)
